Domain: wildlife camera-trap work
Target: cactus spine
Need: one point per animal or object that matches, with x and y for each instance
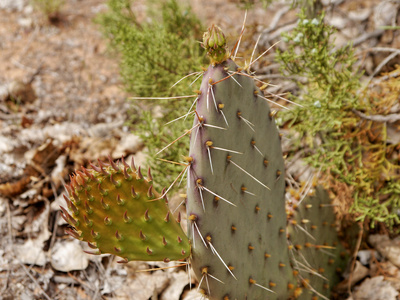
(241, 242)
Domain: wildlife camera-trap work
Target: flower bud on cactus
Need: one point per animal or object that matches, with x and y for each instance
(215, 43)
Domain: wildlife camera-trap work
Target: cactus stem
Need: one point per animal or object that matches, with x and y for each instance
(247, 173)
(252, 281)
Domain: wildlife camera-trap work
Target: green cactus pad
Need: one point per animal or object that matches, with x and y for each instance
(317, 255)
(116, 210)
(235, 199)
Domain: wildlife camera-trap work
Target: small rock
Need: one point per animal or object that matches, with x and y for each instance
(390, 249)
(375, 288)
(67, 255)
(385, 14)
(364, 256)
(25, 22)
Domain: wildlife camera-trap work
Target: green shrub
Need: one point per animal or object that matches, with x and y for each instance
(154, 55)
(356, 160)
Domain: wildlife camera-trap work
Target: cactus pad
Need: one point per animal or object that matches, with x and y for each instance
(317, 256)
(235, 204)
(115, 209)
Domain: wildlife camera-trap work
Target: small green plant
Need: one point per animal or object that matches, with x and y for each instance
(49, 8)
(154, 55)
(333, 130)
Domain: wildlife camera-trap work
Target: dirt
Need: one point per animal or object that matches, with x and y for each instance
(67, 108)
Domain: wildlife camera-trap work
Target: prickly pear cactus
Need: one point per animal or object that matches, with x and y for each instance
(236, 186)
(317, 256)
(115, 209)
(244, 243)
(235, 198)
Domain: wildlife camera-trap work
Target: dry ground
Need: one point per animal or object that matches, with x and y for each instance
(72, 110)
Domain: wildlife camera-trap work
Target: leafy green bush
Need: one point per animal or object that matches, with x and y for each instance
(154, 55)
(331, 126)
